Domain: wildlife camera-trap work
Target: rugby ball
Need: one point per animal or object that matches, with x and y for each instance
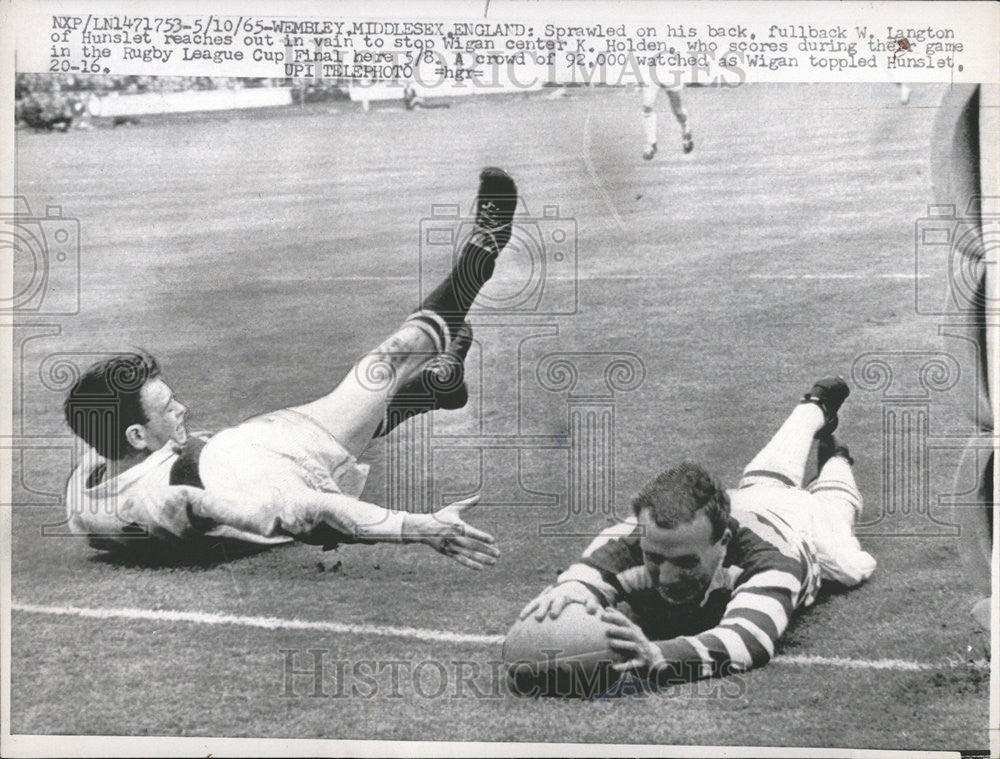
(567, 656)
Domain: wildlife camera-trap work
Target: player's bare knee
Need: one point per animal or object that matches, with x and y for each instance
(409, 342)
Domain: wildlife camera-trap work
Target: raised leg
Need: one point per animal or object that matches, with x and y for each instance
(836, 505)
(677, 106)
(649, 119)
(785, 455)
(356, 409)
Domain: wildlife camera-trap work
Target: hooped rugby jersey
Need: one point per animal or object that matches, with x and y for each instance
(768, 571)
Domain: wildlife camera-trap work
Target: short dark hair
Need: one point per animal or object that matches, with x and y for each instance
(104, 401)
(679, 494)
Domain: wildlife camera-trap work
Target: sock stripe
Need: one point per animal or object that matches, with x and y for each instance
(771, 475)
(839, 488)
(438, 327)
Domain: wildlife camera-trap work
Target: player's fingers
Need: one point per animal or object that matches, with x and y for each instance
(628, 646)
(528, 608)
(544, 604)
(478, 556)
(591, 605)
(466, 561)
(615, 617)
(623, 633)
(627, 665)
(471, 532)
(558, 604)
(468, 548)
(477, 546)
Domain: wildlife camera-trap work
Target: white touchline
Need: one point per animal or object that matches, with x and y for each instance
(264, 623)
(832, 275)
(599, 186)
(339, 278)
(417, 633)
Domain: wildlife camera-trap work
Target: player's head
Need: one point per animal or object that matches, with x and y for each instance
(121, 406)
(684, 513)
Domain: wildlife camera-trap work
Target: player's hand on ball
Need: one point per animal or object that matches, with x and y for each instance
(447, 532)
(555, 598)
(625, 638)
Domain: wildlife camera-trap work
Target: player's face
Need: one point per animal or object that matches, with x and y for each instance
(165, 413)
(682, 560)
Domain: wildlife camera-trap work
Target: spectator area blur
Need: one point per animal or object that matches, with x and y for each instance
(63, 101)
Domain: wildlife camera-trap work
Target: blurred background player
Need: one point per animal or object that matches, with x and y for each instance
(412, 101)
(964, 170)
(673, 90)
(293, 473)
(711, 579)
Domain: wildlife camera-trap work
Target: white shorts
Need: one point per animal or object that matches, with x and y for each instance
(824, 524)
(650, 91)
(794, 505)
(283, 451)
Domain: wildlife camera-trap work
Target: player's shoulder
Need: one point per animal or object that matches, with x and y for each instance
(759, 543)
(759, 555)
(186, 469)
(626, 531)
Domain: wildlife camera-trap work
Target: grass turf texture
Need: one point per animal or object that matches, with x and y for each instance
(258, 254)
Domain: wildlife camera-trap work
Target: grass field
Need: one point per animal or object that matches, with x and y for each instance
(257, 255)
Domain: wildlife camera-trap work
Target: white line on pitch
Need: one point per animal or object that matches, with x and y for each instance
(598, 184)
(278, 623)
(588, 276)
(265, 623)
(338, 278)
(883, 275)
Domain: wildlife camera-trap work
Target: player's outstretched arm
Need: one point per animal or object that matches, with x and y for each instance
(447, 532)
(305, 514)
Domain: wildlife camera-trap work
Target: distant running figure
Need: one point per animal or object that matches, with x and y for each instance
(412, 101)
(673, 90)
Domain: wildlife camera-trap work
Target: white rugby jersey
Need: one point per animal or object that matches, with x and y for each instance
(123, 511)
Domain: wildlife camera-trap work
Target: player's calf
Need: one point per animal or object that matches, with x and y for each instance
(837, 504)
(439, 385)
(496, 202)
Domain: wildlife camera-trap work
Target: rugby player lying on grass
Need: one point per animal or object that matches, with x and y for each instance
(710, 579)
(290, 474)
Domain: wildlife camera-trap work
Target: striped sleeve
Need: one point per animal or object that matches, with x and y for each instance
(756, 616)
(609, 562)
(774, 583)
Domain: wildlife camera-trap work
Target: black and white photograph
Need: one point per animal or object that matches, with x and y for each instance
(500, 378)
